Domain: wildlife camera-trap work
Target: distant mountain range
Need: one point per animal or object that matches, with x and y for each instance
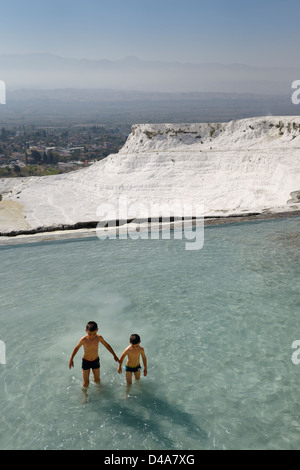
(49, 71)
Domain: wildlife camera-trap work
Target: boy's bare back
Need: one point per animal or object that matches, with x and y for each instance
(90, 346)
(133, 353)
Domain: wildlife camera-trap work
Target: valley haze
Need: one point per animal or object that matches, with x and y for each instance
(44, 71)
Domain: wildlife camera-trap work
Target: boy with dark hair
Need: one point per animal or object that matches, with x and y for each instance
(133, 352)
(91, 360)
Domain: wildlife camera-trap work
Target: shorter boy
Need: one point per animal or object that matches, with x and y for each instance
(91, 360)
(133, 352)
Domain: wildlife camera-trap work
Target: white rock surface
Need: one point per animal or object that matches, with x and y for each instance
(243, 166)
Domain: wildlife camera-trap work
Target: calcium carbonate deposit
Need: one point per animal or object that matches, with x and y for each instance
(239, 167)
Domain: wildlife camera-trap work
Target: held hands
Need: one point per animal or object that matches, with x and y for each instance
(116, 358)
(71, 364)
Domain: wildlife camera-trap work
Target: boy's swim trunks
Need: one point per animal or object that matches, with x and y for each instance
(132, 369)
(86, 365)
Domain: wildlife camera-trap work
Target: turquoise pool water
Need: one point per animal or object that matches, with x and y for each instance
(217, 326)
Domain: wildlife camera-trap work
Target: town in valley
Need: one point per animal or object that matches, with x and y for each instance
(29, 150)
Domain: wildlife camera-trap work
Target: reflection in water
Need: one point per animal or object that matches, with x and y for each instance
(146, 414)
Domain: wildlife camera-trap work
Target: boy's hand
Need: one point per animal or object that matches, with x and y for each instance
(145, 372)
(120, 369)
(116, 358)
(71, 364)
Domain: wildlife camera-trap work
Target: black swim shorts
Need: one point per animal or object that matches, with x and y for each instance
(132, 369)
(86, 365)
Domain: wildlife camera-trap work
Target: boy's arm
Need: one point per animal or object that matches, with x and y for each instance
(75, 350)
(121, 361)
(109, 348)
(144, 362)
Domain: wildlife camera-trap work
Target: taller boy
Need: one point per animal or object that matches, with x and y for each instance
(91, 360)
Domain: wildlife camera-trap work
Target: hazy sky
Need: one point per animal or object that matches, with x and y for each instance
(254, 32)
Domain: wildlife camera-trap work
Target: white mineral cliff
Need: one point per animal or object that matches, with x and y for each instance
(243, 166)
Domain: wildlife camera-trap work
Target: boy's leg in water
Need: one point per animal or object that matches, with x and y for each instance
(86, 378)
(129, 378)
(96, 373)
(137, 374)
(97, 380)
(129, 383)
(85, 384)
